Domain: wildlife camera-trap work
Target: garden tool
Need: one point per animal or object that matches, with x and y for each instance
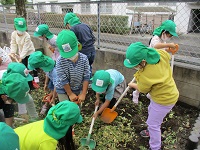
(108, 115)
(87, 141)
(173, 51)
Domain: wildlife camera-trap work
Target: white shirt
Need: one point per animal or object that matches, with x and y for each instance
(155, 40)
(21, 45)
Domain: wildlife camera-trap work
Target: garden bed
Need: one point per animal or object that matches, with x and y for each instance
(123, 132)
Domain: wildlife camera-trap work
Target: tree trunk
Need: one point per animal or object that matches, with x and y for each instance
(20, 8)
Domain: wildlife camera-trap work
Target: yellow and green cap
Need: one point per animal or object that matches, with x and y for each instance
(16, 87)
(20, 24)
(167, 25)
(67, 43)
(101, 80)
(9, 140)
(43, 29)
(137, 52)
(60, 117)
(39, 60)
(20, 68)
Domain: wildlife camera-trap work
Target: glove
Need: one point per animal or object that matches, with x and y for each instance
(135, 96)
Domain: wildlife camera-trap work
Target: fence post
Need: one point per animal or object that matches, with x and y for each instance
(98, 25)
(4, 15)
(38, 10)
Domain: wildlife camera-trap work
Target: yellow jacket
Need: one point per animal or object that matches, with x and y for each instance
(33, 137)
(157, 80)
(21, 45)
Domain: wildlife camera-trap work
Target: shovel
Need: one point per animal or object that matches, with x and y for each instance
(108, 115)
(87, 141)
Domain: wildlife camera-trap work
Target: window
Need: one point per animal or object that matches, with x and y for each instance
(85, 8)
(106, 8)
(67, 9)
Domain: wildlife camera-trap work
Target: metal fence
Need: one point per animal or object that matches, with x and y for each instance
(117, 24)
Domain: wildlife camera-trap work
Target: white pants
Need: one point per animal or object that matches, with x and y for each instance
(28, 107)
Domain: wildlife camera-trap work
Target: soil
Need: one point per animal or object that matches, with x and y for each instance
(123, 132)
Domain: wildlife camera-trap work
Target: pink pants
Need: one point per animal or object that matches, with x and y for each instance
(156, 114)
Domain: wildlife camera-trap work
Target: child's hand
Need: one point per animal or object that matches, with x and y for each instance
(73, 97)
(95, 115)
(45, 88)
(52, 49)
(81, 97)
(97, 102)
(172, 45)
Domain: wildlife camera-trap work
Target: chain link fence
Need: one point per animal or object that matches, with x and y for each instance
(117, 24)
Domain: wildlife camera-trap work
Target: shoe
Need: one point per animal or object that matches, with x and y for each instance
(144, 133)
(43, 110)
(35, 85)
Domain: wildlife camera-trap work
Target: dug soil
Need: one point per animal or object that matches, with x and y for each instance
(123, 132)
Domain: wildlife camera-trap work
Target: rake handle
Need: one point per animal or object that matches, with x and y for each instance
(92, 124)
(120, 98)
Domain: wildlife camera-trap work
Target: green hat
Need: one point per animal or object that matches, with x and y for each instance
(43, 29)
(39, 60)
(67, 43)
(101, 80)
(137, 52)
(20, 24)
(67, 17)
(9, 140)
(16, 87)
(20, 68)
(74, 21)
(60, 117)
(167, 25)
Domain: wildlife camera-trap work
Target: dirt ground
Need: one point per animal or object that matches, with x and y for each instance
(123, 132)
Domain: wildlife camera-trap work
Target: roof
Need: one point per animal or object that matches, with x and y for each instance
(160, 9)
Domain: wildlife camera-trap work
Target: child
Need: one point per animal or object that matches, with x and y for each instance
(108, 84)
(49, 132)
(162, 34)
(154, 77)
(22, 45)
(20, 68)
(42, 31)
(9, 140)
(73, 70)
(47, 64)
(84, 35)
(13, 87)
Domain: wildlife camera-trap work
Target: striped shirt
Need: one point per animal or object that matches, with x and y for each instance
(72, 73)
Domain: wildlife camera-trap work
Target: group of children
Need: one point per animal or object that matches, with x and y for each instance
(69, 72)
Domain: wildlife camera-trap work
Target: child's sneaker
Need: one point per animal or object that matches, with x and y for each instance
(43, 110)
(35, 85)
(144, 133)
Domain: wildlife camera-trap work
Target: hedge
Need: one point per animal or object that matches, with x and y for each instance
(108, 23)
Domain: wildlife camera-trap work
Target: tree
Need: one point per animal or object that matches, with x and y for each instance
(7, 2)
(20, 8)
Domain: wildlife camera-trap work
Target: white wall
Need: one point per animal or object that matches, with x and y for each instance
(182, 17)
